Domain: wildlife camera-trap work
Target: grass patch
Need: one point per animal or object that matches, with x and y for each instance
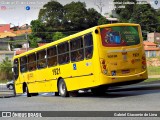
(152, 70)
(152, 79)
(3, 81)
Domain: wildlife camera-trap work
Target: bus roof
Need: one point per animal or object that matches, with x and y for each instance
(73, 36)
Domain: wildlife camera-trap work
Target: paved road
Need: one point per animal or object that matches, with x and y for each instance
(4, 91)
(130, 98)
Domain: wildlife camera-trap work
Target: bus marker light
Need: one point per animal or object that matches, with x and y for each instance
(103, 62)
(144, 67)
(144, 62)
(104, 66)
(104, 71)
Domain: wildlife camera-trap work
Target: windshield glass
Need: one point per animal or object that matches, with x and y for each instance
(120, 36)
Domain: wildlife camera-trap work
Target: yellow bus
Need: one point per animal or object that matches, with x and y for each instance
(95, 59)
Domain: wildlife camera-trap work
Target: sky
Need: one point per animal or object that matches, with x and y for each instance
(14, 11)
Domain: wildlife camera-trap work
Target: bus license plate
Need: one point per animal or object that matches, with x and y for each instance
(125, 71)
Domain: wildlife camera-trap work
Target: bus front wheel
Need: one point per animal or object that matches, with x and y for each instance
(27, 91)
(62, 89)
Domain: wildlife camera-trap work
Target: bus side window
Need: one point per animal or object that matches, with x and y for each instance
(32, 62)
(52, 56)
(23, 64)
(41, 59)
(88, 42)
(77, 53)
(63, 53)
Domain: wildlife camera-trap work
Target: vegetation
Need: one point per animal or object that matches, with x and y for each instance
(74, 16)
(102, 21)
(142, 14)
(55, 17)
(152, 79)
(6, 69)
(58, 35)
(152, 70)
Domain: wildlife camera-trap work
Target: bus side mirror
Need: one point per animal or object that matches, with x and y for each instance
(12, 69)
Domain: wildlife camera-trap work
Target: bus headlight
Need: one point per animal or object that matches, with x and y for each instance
(144, 67)
(105, 72)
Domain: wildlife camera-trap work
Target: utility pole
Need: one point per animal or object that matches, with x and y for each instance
(26, 34)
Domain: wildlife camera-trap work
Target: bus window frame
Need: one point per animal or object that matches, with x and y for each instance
(64, 53)
(86, 46)
(72, 51)
(39, 60)
(24, 64)
(35, 61)
(50, 57)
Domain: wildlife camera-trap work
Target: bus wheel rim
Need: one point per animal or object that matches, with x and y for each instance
(62, 88)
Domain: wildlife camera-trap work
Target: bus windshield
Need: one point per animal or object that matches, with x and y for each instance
(120, 36)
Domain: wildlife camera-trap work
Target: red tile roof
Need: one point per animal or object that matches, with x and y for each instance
(151, 49)
(22, 50)
(41, 44)
(147, 43)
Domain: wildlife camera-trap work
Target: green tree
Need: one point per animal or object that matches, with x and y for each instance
(102, 21)
(158, 18)
(142, 14)
(124, 14)
(75, 16)
(6, 68)
(38, 29)
(93, 17)
(55, 17)
(58, 35)
(33, 40)
(146, 16)
(52, 14)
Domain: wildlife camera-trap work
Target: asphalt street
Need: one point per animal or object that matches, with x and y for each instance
(139, 97)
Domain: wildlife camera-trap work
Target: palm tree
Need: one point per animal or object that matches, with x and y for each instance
(6, 68)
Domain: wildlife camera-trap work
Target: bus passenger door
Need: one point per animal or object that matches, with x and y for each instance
(16, 76)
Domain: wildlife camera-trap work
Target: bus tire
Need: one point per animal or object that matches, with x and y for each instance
(62, 89)
(98, 91)
(34, 94)
(14, 91)
(56, 94)
(73, 93)
(27, 91)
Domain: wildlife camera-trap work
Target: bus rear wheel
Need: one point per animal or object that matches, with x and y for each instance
(73, 93)
(98, 91)
(62, 89)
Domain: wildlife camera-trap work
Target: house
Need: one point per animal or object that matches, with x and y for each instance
(4, 28)
(41, 44)
(22, 50)
(4, 54)
(151, 49)
(154, 37)
(7, 34)
(112, 20)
